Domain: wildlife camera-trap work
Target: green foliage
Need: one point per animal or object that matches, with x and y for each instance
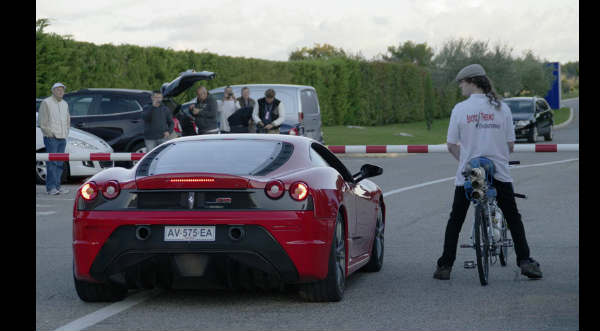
(419, 54)
(350, 90)
(318, 51)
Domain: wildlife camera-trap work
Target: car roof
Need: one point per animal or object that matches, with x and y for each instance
(250, 136)
(113, 90)
(289, 86)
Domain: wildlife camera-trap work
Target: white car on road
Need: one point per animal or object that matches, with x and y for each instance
(78, 141)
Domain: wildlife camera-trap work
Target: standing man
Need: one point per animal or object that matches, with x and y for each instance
(205, 111)
(481, 126)
(240, 121)
(268, 113)
(227, 107)
(158, 122)
(54, 122)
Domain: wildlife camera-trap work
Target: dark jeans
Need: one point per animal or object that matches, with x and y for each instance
(460, 206)
(54, 169)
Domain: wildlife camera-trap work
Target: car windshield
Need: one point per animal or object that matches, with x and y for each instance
(235, 157)
(520, 106)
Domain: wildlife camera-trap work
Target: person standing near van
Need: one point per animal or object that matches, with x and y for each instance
(241, 120)
(158, 122)
(227, 107)
(54, 120)
(268, 113)
(206, 110)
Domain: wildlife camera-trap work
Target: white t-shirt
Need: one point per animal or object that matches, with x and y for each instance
(481, 130)
(226, 108)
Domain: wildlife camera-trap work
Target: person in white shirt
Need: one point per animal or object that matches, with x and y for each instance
(227, 107)
(55, 121)
(482, 126)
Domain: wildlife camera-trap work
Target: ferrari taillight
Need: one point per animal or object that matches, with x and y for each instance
(111, 189)
(299, 191)
(89, 191)
(294, 132)
(274, 189)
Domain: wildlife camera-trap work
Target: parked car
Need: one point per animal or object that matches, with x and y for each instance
(303, 114)
(181, 219)
(115, 115)
(532, 117)
(77, 141)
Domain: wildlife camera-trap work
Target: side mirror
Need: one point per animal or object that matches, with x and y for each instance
(366, 171)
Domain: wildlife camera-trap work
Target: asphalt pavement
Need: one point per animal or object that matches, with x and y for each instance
(402, 296)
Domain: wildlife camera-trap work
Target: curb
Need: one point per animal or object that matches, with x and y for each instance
(562, 125)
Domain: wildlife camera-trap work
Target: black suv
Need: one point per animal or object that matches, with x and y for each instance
(532, 117)
(115, 115)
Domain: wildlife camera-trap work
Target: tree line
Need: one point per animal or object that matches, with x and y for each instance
(408, 84)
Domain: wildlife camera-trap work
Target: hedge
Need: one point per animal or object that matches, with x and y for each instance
(349, 91)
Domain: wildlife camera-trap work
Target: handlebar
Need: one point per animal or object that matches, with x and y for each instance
(514, 162)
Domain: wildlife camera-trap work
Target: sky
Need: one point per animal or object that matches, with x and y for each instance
(271, 30)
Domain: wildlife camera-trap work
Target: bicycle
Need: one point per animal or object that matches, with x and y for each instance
(489, 236)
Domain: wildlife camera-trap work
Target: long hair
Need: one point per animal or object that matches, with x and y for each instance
(485, 84)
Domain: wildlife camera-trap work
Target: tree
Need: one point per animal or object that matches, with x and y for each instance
(319, 51)
(419, 54)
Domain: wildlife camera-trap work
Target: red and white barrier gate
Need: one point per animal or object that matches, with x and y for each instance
(349, 149)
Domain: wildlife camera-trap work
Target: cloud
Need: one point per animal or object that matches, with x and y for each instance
(272, 29)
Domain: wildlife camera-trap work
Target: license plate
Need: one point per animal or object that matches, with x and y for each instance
(189, 233)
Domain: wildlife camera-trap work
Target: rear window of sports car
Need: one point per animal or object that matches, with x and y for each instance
(235, 157)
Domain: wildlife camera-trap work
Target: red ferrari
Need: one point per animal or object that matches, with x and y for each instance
(232, 211)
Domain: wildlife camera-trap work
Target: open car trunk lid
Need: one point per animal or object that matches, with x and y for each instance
(184, 81)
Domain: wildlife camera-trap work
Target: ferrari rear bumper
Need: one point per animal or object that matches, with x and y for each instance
(288, 246)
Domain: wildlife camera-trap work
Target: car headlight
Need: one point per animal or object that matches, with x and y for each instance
(80, 144)
(520, 124)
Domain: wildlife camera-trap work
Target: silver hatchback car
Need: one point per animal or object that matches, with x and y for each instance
(302, 111)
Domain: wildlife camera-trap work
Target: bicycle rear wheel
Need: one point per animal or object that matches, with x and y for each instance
(482, 245)
(503, 243)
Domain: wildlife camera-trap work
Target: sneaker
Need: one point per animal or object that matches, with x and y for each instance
(53, 192)
(530, 268)
(442, 273)
(62, 191)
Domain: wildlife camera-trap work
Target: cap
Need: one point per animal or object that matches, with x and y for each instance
(469, 71)
(57, 85)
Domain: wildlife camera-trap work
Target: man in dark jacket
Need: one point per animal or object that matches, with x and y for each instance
(158, 122)
(205, 112)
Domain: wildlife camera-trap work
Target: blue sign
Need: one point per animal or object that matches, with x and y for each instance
(554, 95)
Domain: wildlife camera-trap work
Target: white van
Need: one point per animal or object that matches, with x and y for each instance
(302, 111)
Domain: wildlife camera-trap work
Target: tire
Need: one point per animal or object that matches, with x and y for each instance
(332, 287)
(139, 147)
(99, 292)
(482, 245)
(503, 249)
(548, 136)
(41, 171)
(376, 261)
(533, 135)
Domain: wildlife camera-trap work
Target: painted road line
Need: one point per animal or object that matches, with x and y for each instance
(45, 213)
(108, 311)
(452, 178)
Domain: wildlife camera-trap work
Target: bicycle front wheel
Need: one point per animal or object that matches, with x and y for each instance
(482, 245)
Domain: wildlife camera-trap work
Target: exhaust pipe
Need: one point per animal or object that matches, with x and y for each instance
(477, 194)
(477, 184)
(143, 232)
(236, 233)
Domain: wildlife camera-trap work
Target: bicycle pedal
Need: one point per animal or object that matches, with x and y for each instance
(469, 265)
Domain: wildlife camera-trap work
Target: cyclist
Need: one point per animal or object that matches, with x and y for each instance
(479, 126)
